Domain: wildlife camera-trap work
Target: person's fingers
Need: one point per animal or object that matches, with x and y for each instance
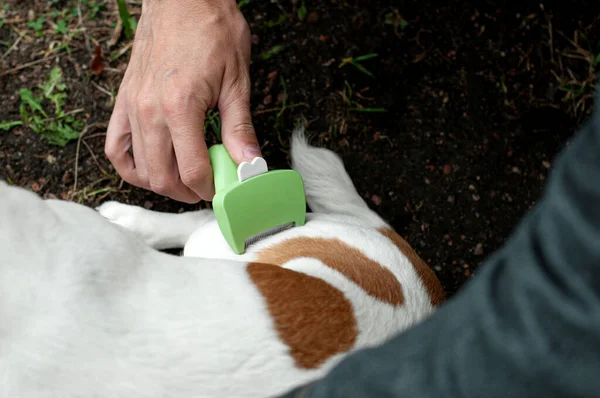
(118, 142)
(237, 130)
(163, 172)
(184, 115)
(123, 146)
(137, 145)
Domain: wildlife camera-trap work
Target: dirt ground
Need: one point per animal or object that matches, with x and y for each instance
(448, 132)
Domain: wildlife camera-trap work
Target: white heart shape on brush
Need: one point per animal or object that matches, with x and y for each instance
(248, 170)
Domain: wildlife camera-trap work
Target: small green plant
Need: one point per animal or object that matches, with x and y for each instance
(284, 99)
(302, 11)
(270, 53)
(6, 126)
(129, 24)
(285, 105)
(3, 11)
(94, 8)
(278, 21)
(356, 106)
(396, 20)
(61, 27)
(577, 71)
(59, 129)
(242, 3)
(37, 25)
(213, 120)
(356, 62)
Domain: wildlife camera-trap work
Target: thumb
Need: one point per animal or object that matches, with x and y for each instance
(237, 131)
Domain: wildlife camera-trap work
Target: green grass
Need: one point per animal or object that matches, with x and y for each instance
(355, 106)
(576, 72)
(129, 24)
(37, 25)
(3, 10)
(6, 126)
(356, 62)
(273, 51)
(284, 107)
(394, 19)
(302, 11)
(243, 3)
(61, 27)
(278, 21)
(213, 121)
(42, 110)
(61, 23)
(94, 8)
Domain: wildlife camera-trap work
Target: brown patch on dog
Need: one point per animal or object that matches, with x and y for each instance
(430, 280)
(369, 275)
(314, 319)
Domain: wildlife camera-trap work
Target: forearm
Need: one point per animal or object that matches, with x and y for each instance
(527, 326)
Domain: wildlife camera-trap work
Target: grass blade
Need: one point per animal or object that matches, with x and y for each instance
(6, 126)
(369, 110)
(361, 68)
(365, 57)
(127, 20)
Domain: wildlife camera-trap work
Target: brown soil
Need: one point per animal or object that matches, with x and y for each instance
(474, 115)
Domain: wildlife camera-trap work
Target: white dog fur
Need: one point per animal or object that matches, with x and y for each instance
(90, 308)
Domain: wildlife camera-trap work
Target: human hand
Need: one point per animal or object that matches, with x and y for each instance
(188, 57)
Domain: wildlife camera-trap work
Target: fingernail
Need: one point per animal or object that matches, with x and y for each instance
(251, 152)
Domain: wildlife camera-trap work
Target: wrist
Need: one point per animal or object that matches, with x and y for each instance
(178, 3)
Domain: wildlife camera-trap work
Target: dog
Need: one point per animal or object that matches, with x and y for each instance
(91, 307)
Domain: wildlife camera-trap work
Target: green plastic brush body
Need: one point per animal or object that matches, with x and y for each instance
(257, 205)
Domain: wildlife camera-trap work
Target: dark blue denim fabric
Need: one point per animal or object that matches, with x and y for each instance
(527, 326)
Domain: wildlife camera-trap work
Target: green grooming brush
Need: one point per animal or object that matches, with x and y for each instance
(250, 202)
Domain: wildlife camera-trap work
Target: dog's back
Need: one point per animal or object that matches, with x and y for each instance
(124, 320)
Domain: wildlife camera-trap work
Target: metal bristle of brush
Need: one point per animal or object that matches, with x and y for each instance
(273, 231)
(252, 203)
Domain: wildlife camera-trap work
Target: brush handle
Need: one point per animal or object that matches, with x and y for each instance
(224, 168)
